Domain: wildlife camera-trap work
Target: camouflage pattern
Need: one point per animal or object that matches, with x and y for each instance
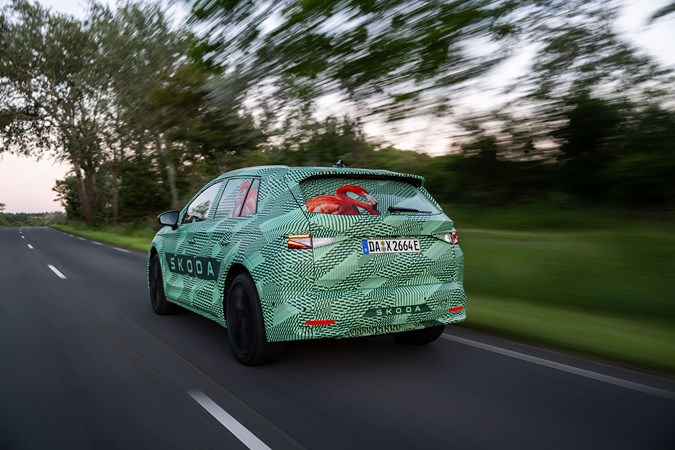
(365, 294)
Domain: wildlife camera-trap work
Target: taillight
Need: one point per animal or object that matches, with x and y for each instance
(450, 238)
(306, 241)
(299, 241)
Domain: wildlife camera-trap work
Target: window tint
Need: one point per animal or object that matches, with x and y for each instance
(364, 196)
(200, 207)
(248, 207)
(233, 198)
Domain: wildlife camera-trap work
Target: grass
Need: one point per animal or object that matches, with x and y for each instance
(635, 341)
(132, 238)
(606, 292)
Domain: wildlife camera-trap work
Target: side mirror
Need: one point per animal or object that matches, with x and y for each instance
(169, 218)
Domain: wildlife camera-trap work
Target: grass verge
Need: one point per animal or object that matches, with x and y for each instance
(132, 238)
(636, 341)
(604, 292)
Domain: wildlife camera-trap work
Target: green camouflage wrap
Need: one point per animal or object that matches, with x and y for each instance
(366, 294)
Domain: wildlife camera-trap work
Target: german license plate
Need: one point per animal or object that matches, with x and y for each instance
(390, 246)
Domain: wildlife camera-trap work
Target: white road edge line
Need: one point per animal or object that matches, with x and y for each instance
(565, 368)
(30, 246)
(97, 243)
(229, 422)
(57, 272)
(82, 239)
(122, 250)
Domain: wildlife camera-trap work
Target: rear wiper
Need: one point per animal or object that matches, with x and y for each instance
(401, 209)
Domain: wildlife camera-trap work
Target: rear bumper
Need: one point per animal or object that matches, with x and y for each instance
(364, 312)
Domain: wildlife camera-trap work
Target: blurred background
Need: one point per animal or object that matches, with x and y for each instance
(546, 129)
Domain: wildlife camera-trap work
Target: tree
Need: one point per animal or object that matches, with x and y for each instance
(393, 57)
(138, 50)
(81, 89)
(202, 129)
(49, 91)
(661, 12)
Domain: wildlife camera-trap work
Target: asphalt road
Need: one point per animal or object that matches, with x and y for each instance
(85, 363)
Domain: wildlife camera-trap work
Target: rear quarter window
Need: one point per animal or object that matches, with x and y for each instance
(364, 196)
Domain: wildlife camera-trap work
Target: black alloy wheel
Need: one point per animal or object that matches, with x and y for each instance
(158, 300)
(245, 325)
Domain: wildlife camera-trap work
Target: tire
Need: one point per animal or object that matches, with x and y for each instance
(419, 337)
(245, 325)
(160, 305)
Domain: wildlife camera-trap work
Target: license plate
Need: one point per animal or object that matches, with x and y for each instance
(390, 246)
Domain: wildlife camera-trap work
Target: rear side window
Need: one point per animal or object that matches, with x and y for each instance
(364, 196)
(239, 198)
(200, 207)
(248, 206)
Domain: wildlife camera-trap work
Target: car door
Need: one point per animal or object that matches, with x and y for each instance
(215, 240)
(235, 204)
(187, 265)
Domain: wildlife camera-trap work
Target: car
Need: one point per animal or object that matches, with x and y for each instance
(278, 253)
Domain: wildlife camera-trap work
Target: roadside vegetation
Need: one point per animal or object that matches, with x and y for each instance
(562, 196)
(29, 219)
(134, 238)
(607, 293)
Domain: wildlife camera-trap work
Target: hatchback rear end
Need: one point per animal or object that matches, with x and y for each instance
(385, 259)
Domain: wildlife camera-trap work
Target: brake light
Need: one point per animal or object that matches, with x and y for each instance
(455, 239)
(299, 241)
(456, 308)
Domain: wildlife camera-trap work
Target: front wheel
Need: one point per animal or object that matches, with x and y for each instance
(158, 300)
(419, 337)
(245, 325)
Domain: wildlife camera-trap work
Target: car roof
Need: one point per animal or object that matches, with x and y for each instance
(296, 174)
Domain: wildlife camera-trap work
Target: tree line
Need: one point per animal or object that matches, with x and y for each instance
(145, 112)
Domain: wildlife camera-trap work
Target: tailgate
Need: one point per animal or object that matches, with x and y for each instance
(387, 236)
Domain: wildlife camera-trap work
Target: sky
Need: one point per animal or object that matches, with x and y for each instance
(26, 185)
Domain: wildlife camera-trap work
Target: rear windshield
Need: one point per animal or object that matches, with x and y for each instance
(364, 196)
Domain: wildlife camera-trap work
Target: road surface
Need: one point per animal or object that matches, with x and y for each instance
(85, 363)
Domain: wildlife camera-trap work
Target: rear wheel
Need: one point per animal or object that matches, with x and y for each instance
(245, 325)
(157, 298)
(419, 337)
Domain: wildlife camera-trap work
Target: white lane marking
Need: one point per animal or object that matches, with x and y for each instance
(82, 239)
(122, 250)
(97, 243)
(565, 368)
(229, 422)
(30, 246)
(57, 272)
(23, 237)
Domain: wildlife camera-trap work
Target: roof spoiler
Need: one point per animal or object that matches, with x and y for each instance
(416, 181)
